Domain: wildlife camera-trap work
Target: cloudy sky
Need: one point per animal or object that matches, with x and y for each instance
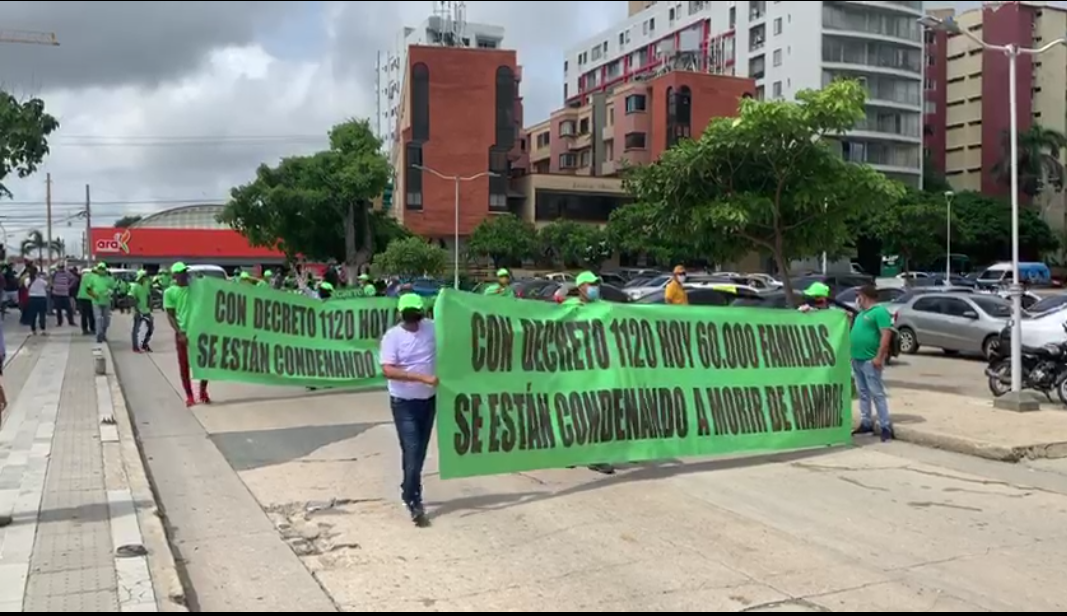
(170, 103)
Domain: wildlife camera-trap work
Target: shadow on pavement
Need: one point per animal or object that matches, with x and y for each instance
(255, 449)
(292, 394)
(627, 473)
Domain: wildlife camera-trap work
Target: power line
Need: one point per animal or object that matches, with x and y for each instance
(187, 141)
(198, 201)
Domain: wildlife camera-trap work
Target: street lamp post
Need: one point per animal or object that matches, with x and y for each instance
(457, 180)
(949, 195)
(1012, 52)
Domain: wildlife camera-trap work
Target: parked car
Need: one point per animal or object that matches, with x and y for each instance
(560, 292)
(885, 295)
(530, 288)
(953, 322)
(698, 296)
(838, 283)
(1048, 304)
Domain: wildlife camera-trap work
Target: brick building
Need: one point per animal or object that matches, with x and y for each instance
(460, 114)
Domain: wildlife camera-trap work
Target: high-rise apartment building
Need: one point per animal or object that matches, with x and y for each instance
(975, 117)
(785, 47)
(447, 28)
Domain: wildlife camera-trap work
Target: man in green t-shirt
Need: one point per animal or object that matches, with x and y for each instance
(502, 287)
(871, 340)
(85, 303)
(177, 306)
(140, 292)
(368, 288)
(102, 290)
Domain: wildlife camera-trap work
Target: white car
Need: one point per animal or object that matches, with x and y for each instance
(207, 271)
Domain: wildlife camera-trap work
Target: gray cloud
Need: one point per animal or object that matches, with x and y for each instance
(118, 43)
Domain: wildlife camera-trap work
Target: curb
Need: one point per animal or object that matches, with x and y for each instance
(170, 592)
(982, 449)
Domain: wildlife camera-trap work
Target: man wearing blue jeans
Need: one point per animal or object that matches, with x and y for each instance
(409, 358)
(871, 340)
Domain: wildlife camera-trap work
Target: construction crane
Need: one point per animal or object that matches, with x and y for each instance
(29, 37)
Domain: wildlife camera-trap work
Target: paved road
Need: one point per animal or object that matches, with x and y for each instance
(933, 370)
(285, 501)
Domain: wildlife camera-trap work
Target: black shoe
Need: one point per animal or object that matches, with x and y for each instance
(863, 429)
(5, 521)
(603, 469)
(146, 348)
(418, 515)
(888, 435)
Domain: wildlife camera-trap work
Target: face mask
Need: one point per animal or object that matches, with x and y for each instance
(411, 317)
(592, 293)
(682, 277)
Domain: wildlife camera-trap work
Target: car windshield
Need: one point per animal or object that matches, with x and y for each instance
(1049, 303)
(994, 307)
(848, 296)
(657, 282)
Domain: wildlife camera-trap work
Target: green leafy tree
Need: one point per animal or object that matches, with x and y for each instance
(1040, 167)
(24, 131)
(934, 181)
(770, 180)
(984, 225)
(35, 242)
(912, 227)
(411, 257)
(506, 239)
(317, 206)
(634, 229)
(127, 221)
(574, 244)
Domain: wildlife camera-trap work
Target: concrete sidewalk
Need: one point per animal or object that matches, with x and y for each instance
(69, 470)
(973, 427)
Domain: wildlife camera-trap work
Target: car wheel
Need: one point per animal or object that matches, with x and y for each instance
(909, 343)
(989, 346)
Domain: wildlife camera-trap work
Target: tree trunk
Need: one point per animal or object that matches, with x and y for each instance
(366, 248)
(351, 253)
(783, 269)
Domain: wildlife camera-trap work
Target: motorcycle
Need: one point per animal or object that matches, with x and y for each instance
(1044, 367)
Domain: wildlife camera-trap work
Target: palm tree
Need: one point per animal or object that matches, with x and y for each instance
(1040, 166)
(35, 241)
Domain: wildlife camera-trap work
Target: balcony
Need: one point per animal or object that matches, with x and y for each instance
(847, 19)
(873, 55)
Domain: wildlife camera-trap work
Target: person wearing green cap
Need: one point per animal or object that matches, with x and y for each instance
(268, 277)
(102, 290)
(502, 286)
(85, 302)
(588, 292)
(369, 290)
(140, 291)
(816, 296)
(247, 278)
(176, 304)
(409, 362)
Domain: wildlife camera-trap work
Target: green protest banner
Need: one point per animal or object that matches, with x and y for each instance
(530, 385)
(259, 335)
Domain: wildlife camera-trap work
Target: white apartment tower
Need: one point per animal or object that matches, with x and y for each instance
(786, 47)
(448, 27)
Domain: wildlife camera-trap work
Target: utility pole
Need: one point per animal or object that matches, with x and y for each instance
(88, 226)
(48, 215)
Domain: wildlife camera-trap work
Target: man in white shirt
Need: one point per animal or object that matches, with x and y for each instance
(37, 285)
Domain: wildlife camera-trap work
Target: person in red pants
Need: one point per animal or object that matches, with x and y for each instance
(177, 306)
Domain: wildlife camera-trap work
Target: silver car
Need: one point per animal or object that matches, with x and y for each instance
(953, 322)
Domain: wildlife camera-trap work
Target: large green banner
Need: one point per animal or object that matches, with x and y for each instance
(254, 334)
(530, 385)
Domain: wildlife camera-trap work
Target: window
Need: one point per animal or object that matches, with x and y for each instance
(413, 177)
(596, 53)
(551, 205)
(585, 159)
(777, 57)
(420, 102)
(583, 126)
(635, 103)
(622, 39)
(670, 14)
(611, 115)
(566, 128)
(778, 25)
(635, 141)
(733, 17)
(927, 304)
(544, 140)
(568, 161)
(776, 89)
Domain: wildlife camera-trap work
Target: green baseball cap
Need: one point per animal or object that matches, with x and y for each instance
(409, 301)
(817, 290)
(101, 266)
(502, 272)
(364, 277)
(179, 268)
(245, 275)
(586, 278)
(268, 274)
(141, 273)
(325, 286)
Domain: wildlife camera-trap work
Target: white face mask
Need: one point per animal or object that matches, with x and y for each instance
(682, 277)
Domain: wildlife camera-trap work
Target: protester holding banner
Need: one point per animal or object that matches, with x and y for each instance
(409, 362)
(589, 291)
(369, 290)
(871, 339)
(818, 297)
(502, 286)
(176, 304)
